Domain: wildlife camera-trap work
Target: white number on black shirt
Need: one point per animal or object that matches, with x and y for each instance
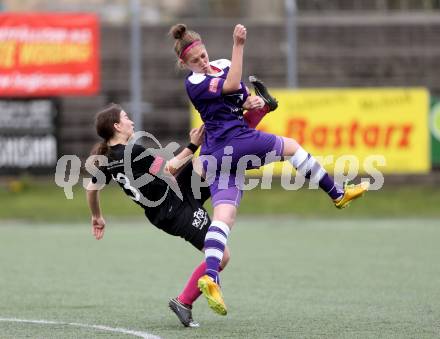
(122, 179)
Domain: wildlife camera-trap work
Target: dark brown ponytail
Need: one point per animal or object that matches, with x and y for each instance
(104, 124)
(101, 148)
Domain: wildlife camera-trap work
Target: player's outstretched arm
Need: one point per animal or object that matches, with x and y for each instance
(233, 79)
(180, 160)
(98, 222)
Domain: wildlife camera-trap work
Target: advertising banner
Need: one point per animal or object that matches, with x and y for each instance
(434, 124)
(48, 54)
(27, 136)
(357, 124)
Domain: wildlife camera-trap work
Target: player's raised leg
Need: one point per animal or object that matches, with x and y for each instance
(311, 169)
(262, 91)
(254, 116)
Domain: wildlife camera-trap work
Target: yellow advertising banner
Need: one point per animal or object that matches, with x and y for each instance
(391, 123)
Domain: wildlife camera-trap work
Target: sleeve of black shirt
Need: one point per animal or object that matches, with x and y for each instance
(101, 175)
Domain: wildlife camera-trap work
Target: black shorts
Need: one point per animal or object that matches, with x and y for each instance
(190, 220)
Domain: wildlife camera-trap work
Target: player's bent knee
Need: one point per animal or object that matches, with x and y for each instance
(225, 213)
(290, 146)
(229, 220)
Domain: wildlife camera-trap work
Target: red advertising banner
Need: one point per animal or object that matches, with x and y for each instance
(48, 54)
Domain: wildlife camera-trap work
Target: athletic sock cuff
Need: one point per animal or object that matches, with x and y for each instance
(299, 157)
(221, 225)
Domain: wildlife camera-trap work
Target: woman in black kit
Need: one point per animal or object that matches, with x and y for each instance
(186, 218)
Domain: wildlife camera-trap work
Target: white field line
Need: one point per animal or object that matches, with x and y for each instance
(139, 334)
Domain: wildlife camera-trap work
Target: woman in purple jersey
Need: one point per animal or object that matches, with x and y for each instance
(217, 92)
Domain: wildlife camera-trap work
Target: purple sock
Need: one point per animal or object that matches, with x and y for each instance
(329, 186)
(215, 243)
(311, 169)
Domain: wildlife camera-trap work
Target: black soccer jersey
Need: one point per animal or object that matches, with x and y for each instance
(149, 191)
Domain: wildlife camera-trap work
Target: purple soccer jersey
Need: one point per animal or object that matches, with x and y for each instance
(221, 113)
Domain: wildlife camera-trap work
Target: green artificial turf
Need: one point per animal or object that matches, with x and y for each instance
(47, 202)
(288, 278)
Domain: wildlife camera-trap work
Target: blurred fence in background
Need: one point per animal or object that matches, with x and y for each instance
(356, 51)
(155, 11)
(381, 43)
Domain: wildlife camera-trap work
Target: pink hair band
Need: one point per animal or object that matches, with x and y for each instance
(187, 48)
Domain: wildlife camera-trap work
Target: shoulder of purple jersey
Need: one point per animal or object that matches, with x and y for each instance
(195, 78)
(221, 63)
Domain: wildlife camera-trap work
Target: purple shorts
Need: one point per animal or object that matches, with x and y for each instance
(225, 168)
